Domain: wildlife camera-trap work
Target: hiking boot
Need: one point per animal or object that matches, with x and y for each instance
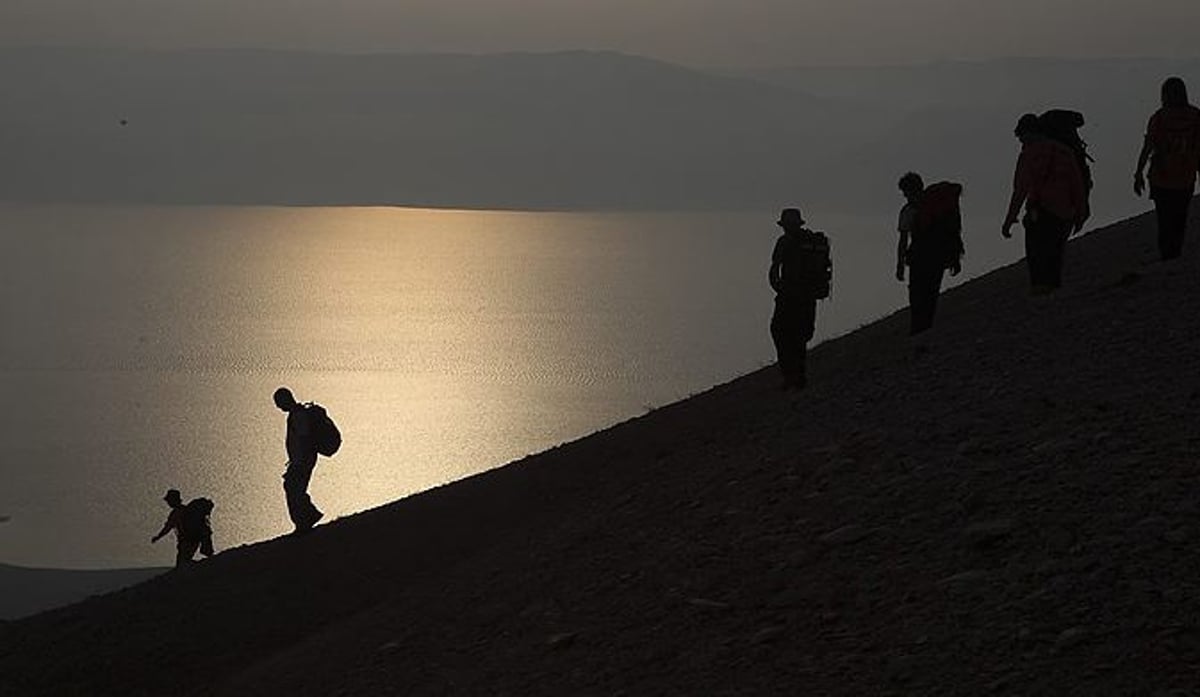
(309, 524)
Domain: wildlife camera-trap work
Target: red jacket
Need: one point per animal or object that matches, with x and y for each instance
(1174, 137)
(1048, 178)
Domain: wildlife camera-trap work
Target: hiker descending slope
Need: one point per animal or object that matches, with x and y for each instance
(1172, 147)
(1051, 183)
(930, 229)
(801, 273)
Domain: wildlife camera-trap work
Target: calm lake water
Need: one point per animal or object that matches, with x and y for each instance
(141, 346)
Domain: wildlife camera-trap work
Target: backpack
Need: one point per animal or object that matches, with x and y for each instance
(1062, 125)
(808, 269)
(939, 222)
(195, 523)
(326, 435)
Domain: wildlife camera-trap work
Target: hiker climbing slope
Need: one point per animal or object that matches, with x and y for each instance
(1172, 147)
(1051, 183)
(190, 523)
(930, 229)
(801, 273)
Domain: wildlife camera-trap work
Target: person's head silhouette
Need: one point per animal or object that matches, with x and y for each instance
(1174, 92)
(1028, 126)
(284, 399)
(790, 220)
(911, 185)
(173, 498)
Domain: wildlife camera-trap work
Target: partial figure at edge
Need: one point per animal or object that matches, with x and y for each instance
(801, 273)
(930, 228)
(1172, 147)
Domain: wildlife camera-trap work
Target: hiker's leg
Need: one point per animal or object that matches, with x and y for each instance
(924, 282)
(916, 304)
(1045, 244)
(1057, 231)
(1162, 217)
(313, 514)
(185, 550)
(778, 338)
(1185, 204)
(1171, 206)
(806, 324)
(295, 488)
(1034, 251)
(935, 289)
(784, 336)
(1162, 211)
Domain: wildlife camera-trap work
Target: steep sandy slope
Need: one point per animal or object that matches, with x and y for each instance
(1007, 507)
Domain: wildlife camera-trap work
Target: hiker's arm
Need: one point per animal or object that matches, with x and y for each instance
(773, 276)
(1021, 185)
(904, 226)
(1079, 192)
(165, 529)
(1139, 182)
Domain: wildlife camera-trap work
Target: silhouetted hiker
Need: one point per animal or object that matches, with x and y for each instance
(191, 525)
(310, 432)
(1048, 182)
(1172, 146)
(930, 242)
(801, 273)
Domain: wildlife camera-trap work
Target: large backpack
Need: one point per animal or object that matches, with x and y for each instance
(1063, 125)
(938, 225)
(808, 269)
(326, 435)
(195, 518)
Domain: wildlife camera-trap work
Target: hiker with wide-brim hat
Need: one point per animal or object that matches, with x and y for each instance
(800, 274)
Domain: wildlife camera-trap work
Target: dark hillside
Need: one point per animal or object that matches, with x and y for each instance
(1007, 507)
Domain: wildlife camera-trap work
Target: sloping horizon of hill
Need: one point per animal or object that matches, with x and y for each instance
(26, 591)
(570, 130)
(1003, 505)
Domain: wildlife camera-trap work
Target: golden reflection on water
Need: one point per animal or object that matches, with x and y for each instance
(143, 344)
(443, 342)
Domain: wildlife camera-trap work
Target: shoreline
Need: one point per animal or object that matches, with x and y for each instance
(26, 591)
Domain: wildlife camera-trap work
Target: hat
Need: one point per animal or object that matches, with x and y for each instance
(172, 496)
(790, 216)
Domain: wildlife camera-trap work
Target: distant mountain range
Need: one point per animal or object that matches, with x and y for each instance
(572, 130)
(955, 119)
(567, 130)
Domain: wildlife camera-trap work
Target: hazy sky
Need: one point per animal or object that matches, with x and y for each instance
(696, 32)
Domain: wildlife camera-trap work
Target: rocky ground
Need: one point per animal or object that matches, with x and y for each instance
(1007, 506)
